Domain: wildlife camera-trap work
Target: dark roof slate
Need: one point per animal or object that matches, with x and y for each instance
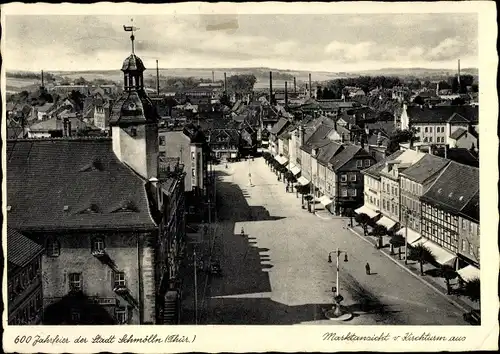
(20, 249)
(45, 177)
(344, 156)
(318, 138)
(458, 133)
(425, 168)
(375, 170)
(279, 126)
(454, 187)
(442, 114)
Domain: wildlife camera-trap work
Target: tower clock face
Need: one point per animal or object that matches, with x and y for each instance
(131, 106)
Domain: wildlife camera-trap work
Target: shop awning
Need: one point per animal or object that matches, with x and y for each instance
(281, 159)
(468, 273)
(385, 221)
(412, 235)
(233, 155)
(366, 210)
(290, 166)
(418, 242)
(325, 201)
(442, 255)
(295, 170)
(303, 181)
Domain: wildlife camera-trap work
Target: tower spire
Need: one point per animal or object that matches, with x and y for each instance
(131, 28)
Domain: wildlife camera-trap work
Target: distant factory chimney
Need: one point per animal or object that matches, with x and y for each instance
(310, 86)
(271, 87)
(42, 80)
(225, 82)
(286, 93)
(294, 84)
(157, 79)
(213, 76)
(459, 71)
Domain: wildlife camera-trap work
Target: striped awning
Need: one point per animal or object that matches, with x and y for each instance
(325, 200)
(367, 210)
(303, 181)
(385, 221)
(412, 235)
(281, 159)
(442, 255)
(468, 273)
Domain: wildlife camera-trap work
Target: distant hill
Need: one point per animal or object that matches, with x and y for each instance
(418, 72)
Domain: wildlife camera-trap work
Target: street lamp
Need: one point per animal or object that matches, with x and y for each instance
(338, 298)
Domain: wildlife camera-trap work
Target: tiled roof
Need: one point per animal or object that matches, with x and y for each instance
(375, 170)
(327, 152)
(57, 124)
(133, 107)
(133, 62)
(454, 187)
(318, 138)
(471, 209)
(425, 168)
(458, 133)
(20, 249)
(279, 126)
(344, 156)
(460, 155)
(442, 114)
(53, 182)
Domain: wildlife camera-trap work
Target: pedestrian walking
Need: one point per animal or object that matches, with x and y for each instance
(367, 268)
(242, 232)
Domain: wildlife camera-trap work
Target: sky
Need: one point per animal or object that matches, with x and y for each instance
(331, 42)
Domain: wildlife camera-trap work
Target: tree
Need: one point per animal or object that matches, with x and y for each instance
(448, 273)
(363, 220)
(81, 81)
(418, 100)
(379, 231)
(422, 255)
(472, 290)
(459, 101)
(397, 241)
(77, 97)
(241, 83)
(398, 137)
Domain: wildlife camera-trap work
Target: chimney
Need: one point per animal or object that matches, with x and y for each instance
(271, 87)
(286, 93)
(69, 127)
(42, 80)
(294, 84)
(459, 72)
(157, 79)
(213, 76)
(310, 86)
(437, 89)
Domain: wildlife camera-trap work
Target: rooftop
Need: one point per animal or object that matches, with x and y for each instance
(454, 188)
(442, 114)
(425, 168)
(375, 170)
(43, 193)
(20, 249)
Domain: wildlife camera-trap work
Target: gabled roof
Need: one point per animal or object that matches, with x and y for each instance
(425, 168)
(374, 170)
(457, 118)
(455, 186)
(344, 156)
(471, 209)
(20, 249)
(279, 126)
(458, 133)
(327, 152)
(442, 114)
(460, 155)
(49, 184)
(318, 138)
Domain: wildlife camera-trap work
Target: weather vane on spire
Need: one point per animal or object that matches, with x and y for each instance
(131, 28)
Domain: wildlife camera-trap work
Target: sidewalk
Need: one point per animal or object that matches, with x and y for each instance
(437, 283)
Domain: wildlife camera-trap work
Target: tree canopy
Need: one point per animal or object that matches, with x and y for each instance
(399, 136)
(241, 83)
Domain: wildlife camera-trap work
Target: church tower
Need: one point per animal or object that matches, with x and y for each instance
(134, 121)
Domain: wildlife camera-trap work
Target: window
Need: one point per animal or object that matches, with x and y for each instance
(464, 244)
(121, 315)
(53, 247)
(426, 130)
(343, 178)
(353, 177)
(98, 244)
(471, 249)
(120, 280)
(193, 156)
(162, 140)
(193, 172)
(133, 132)
(367, 163)
(470, 226)
(359, 163)
(344, 192)
(430, 139)
(75, 282)
(352, 192)
(464, 225)
(383, 203)
(430, 129)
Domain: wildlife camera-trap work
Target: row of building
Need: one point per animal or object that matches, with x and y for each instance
(96, 225)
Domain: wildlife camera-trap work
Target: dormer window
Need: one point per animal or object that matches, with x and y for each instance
(98, 244)
(125, 207)
(133, 131)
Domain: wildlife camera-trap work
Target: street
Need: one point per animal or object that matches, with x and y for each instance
(277, 272)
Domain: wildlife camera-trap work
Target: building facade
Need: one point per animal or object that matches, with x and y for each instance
(24, 280)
